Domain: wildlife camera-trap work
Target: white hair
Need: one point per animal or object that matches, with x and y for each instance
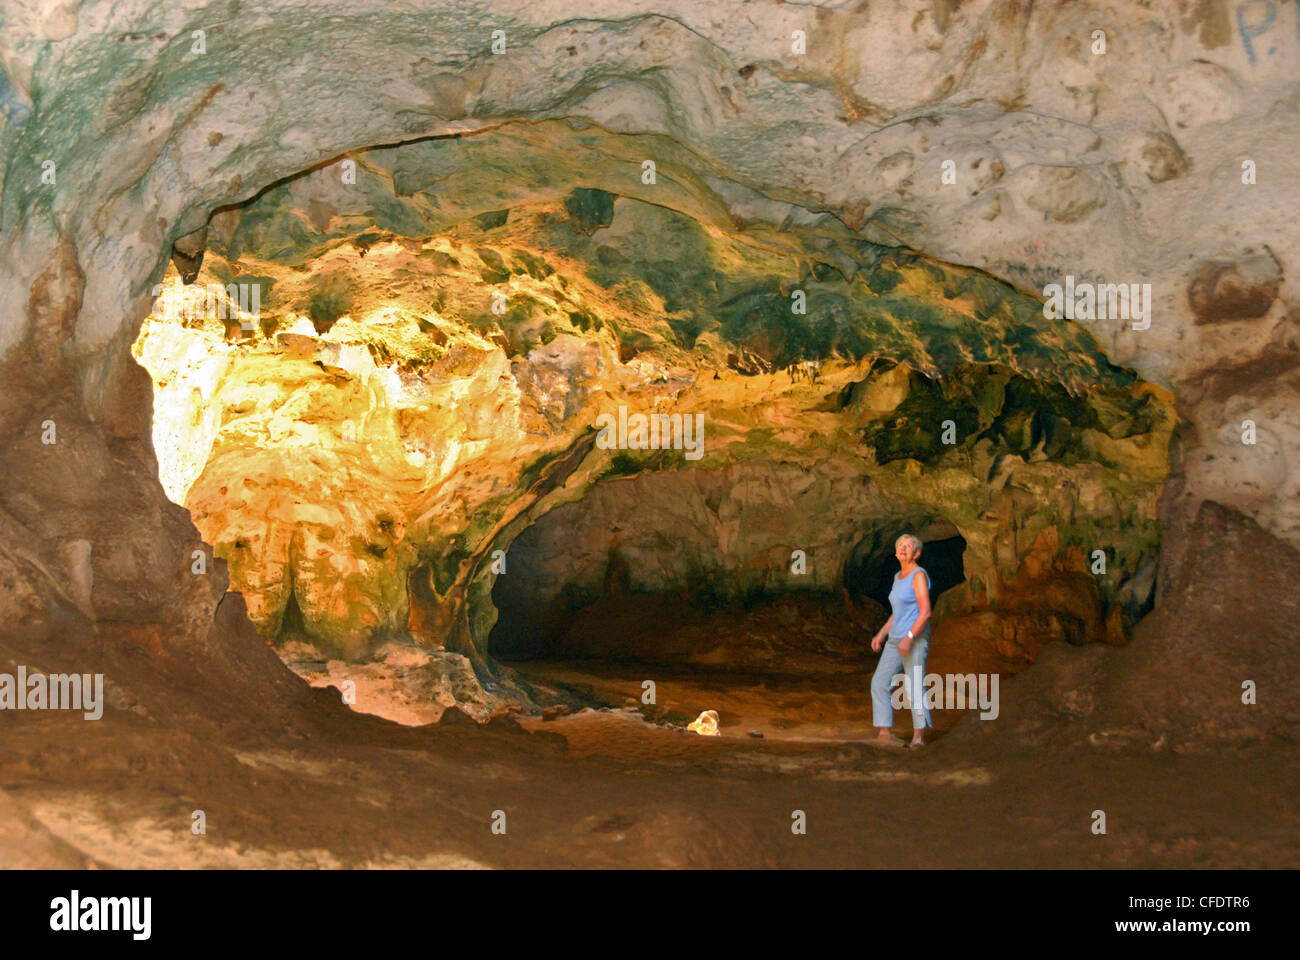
(915, 541)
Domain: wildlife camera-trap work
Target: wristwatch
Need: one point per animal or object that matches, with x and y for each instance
(909, 635)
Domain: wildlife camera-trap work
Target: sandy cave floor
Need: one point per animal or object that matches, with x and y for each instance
(830, 709)
(607, 789)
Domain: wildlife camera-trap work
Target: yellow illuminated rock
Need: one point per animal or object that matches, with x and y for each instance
(706, 724)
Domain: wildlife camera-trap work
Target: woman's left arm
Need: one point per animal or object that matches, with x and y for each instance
(922, 610)
(922, 590)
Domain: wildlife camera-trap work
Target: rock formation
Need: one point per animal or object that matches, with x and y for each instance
(329, 460)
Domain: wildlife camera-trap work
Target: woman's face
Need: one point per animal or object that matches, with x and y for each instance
(906, 551)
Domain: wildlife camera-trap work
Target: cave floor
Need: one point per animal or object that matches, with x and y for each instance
(834, 708)
(354, 790)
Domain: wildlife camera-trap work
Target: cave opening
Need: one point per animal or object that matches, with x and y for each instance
(872, 567)
(654, 619)
(382, 405)
(661, 618)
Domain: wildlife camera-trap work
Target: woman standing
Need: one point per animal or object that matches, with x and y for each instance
(908, 629)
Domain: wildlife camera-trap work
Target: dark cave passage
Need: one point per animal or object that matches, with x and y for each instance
(872, 568)
(636, 621)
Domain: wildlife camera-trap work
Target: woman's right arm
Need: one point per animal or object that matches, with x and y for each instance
(883, 631)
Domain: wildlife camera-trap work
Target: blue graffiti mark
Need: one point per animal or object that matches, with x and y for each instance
(13, 108)
(1254, 19)
(171, 177)
(122, 259)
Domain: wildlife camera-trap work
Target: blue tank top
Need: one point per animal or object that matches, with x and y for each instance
(902, 598)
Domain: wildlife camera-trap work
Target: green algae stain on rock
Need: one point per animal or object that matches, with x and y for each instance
(590, 209)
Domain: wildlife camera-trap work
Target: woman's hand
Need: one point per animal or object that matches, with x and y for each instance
(904, 645)
(877, 642)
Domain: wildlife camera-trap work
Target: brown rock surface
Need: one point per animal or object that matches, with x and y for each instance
(1235, 290)
(1228, 619)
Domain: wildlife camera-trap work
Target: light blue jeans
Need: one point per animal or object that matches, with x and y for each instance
(912, 666)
